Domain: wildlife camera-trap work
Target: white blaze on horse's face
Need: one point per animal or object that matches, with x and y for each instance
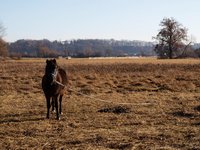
(54, 74)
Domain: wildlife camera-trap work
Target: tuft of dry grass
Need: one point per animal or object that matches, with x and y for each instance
(171, 121)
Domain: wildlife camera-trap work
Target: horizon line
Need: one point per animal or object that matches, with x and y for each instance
(73, 39)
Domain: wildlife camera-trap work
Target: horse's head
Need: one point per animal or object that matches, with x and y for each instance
(51, 70)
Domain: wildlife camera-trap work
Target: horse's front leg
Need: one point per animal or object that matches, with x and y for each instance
(56, 105)
(48, 106)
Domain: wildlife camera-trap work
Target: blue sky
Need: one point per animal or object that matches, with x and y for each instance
(95, 19)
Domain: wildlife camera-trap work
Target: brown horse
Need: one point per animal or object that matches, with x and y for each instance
(53, 84)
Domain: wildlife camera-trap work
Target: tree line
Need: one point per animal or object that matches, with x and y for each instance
(80, 48)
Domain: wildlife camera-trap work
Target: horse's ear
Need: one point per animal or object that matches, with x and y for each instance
(47, 61)
(54, 60)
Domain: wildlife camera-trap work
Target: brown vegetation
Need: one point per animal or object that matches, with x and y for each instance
(3, 48)
(164, 111)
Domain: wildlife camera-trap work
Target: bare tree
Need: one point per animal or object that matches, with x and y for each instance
(2, 30)
(170, 38)
(3, 44)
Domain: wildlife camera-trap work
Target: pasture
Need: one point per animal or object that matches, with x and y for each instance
(162, 109)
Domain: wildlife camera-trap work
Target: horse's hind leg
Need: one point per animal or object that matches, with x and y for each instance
(60, 101)
(56, 105)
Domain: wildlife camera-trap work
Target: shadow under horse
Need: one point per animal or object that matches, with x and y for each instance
(54, 84)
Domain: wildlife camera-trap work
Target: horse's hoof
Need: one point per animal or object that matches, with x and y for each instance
(58, 118)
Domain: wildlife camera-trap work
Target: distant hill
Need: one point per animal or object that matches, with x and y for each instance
(81, 48)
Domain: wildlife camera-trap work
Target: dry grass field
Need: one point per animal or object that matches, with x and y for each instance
(149, 104)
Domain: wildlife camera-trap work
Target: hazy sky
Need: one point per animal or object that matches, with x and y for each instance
(95, 19)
